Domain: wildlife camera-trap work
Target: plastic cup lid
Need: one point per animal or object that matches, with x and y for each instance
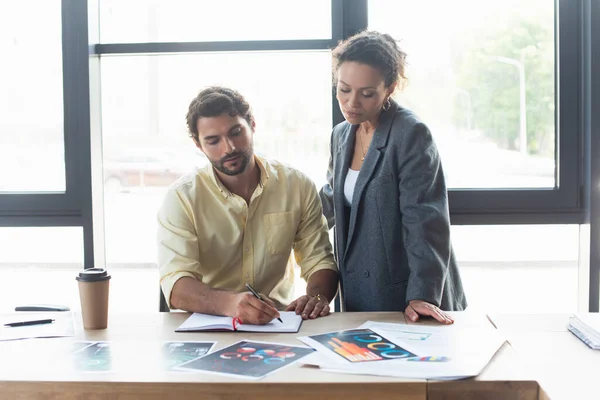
(93, 275)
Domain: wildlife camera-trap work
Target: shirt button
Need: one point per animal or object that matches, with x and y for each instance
(366, 274)
(247, 250)
(247, 275)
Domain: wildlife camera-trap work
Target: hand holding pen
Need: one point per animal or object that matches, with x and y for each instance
(255, 293)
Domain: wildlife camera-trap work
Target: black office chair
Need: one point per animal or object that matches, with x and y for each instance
(337, 305)
(162, 302)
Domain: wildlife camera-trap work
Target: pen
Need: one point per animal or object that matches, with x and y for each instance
(255, 293)
(27, 323)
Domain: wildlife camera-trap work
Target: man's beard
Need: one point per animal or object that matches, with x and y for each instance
(244, 159)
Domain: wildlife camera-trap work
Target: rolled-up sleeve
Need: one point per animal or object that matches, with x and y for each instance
(312, 248)
(178, 253)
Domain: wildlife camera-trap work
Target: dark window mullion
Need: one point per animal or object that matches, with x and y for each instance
(569, 133)
(77, 116)
(337, 20)
(353, 17)
(183, 47)
(591, 12)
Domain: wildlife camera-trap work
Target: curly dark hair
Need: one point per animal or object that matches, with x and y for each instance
(378, 50)
(214, 101)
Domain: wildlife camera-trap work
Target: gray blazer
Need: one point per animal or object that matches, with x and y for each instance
(393, 244)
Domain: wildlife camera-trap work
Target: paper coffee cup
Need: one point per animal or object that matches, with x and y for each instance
(93, 294)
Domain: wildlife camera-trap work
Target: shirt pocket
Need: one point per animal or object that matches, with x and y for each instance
(280, 232)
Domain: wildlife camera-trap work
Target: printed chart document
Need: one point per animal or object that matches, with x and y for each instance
(63, 325)
(92, 356)
(177, 353)
(412, 351)
(248, 359)
(357, 346)
(204, 322)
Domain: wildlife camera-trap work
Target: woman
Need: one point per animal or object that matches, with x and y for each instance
(386, 194)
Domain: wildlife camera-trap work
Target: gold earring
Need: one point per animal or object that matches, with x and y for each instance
(387, 104)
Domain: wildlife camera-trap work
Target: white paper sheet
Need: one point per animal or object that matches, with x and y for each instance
(63, 325)
(469, 351)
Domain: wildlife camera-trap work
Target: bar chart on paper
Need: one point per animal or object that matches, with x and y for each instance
(352, 352)
(357, 345)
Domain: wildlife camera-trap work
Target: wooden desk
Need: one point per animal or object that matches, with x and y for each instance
(562, 364)
(41, 368)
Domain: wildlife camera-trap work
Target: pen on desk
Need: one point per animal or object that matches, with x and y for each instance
(27, 323)
(255, 293)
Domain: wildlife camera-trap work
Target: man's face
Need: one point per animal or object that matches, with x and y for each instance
(226, 141)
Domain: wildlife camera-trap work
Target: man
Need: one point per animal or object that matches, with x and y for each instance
(237, 220)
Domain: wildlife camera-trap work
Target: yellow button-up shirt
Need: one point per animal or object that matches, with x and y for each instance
(208, 233)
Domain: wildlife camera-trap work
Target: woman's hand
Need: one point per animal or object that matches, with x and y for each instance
(416, 308)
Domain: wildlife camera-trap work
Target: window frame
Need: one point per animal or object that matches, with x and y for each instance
(564, 203)
(73, 206)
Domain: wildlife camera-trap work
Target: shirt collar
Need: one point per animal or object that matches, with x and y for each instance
(262, 164)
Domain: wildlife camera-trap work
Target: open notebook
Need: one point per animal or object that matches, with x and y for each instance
(204, 322)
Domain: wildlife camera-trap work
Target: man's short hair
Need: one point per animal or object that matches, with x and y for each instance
(214, 101)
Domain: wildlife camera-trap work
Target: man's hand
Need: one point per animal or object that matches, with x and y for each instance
(421, 307)
(251, 310)
(310, 306)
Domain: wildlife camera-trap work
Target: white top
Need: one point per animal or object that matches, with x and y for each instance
(349, 185)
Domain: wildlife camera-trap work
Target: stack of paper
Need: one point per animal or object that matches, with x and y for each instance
(418, 352)
(587, 328)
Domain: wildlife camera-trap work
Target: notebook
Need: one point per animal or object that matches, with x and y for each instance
(587, 328)
(203, 322)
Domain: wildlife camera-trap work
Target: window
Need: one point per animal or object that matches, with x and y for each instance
(514, 152)
(483, 82)
(39, 266)
(508, 127)
(44, 117)
(211, 21)
(519, 268)
(146, 144)
(31, 93)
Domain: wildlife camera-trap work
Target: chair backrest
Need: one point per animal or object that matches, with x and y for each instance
(336, 304)
(162, 302)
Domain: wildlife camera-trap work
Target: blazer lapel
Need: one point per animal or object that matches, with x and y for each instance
(345, 152)
(374, 154)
